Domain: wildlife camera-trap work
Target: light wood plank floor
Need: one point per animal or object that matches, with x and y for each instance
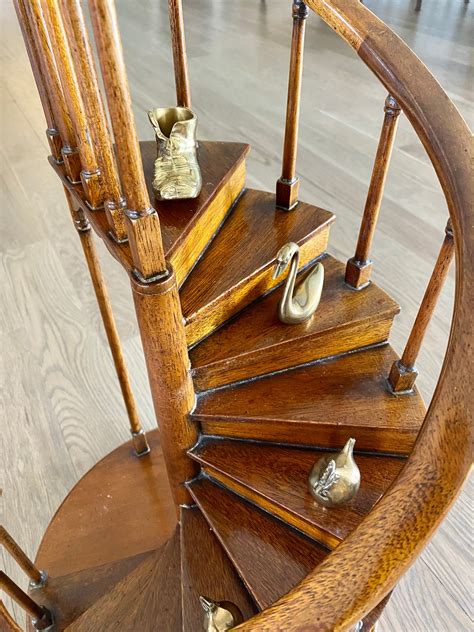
(60, 403)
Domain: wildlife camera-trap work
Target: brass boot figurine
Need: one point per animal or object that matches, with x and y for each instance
(220, 615)
(297, 305)
(335, 478)
(177, 174)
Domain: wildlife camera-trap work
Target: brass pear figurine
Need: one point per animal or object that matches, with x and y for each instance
(335, 478)
(177, 174)
(220, 615)
(298, 305)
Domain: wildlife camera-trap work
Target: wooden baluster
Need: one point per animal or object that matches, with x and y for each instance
(183, 95)
(359, 268)
(37, 577)
(90, 173)
(404, 373)
(52, 133)
(143, 226)
(69, 151)
(87, 242)
(288, 184)
(42, 617)
(78, 38)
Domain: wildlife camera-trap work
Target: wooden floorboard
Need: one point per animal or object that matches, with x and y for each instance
(60, 403)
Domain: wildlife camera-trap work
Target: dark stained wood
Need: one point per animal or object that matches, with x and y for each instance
(164, 344)
(257, 342)
(270, 557)
(183, 96)
(185, 223)
(120, 508)
(143, 225)
(33, 609)
(7, 623)
(288, 184)
(320, 405)
(360, 266)
(403, 372)
(187, 226)
(147, 600)
(237, 267)
(19, 555)
(275, 478)
(206, 570)
(69, 596)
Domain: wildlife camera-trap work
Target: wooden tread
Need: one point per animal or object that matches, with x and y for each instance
(237, 268)
(257, 342)
(187, 226)
(206, 570)
(146, 600)
(275, 478)
(319, 405)
(270, 557)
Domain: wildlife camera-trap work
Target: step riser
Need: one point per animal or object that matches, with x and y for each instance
(320, 435)
(291, 354)
(192, 246)
(259, 283)
(310, 530)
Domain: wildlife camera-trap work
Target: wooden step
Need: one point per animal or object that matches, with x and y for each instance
(146, 600)
(206, 570)
(319, 405)
(275, 478)
(257, 342)
(187, 226)
(270, 557)
(237, 268)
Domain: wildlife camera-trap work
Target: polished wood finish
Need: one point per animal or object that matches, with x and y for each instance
(22, 599)
(132, 509)
(213, 293)
(78, 39)
(83, 228)
(403, 372)
(19, 556)
(320, 405)
(288, 184)
(164, 345)
(143, 225)
(207, 571)
(257, 342)
(52, 133)
(183, 95)
(359, 268)
(7, 623)
(275, 478)
(146, 600)
(270, 557)
(69, 151)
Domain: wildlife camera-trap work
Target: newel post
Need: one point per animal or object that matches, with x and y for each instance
(163, 337)
(288, 184)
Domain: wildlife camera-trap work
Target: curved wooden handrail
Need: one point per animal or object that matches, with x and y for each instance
(367, 565)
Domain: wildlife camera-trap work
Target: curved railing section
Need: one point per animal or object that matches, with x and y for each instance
(366, 566)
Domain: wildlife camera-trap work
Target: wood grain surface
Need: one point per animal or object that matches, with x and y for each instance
(257, 342)
(55, 369)
(320, 405)
(276, 479)
(206, 570)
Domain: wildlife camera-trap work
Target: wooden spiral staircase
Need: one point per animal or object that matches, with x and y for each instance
(218, 502)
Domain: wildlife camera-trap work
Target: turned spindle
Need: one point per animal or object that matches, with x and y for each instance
(37, 577)
(288, 184)
(359, 268)
(41, 617)
(183, 94)
(403, 372)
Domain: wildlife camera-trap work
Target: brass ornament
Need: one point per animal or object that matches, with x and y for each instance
(220, 616)
(335, 478)
(177, 174)
(297, 305)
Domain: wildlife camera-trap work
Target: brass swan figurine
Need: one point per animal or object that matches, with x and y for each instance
(298, 305)
(220, 616)
(335, 478)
